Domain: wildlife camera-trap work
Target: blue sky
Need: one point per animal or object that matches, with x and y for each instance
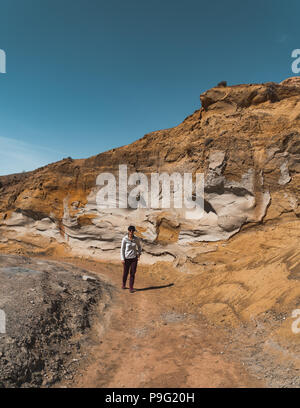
(84, 76)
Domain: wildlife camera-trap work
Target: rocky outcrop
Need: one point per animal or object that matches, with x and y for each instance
(244, 139)
(241, 96)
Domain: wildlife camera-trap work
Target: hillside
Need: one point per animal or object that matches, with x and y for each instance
(245, 138)
(239, 265)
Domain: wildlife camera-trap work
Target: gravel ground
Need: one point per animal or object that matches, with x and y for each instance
(49, 307)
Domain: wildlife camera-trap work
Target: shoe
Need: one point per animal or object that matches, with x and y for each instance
(123, 287)
(131, 290)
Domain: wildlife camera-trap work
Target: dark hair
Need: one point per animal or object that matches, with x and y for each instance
(131, 228)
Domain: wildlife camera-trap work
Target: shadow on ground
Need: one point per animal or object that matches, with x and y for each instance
(155, 287)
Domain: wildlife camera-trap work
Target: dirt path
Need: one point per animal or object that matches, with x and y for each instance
(148, 341)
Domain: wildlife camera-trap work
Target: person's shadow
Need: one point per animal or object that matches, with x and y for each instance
(155, 287)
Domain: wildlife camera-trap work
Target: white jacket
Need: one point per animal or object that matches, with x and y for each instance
(130, 248)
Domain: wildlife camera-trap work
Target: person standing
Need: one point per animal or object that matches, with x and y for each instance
(130, 253)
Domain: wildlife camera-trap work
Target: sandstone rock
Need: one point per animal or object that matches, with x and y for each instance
(245, 139)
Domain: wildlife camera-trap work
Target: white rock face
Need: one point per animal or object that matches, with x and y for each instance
(216, 160)
(227, 206)
(285, 175)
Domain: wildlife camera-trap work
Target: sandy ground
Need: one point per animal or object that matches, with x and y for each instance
(220, 319)
(151, 341)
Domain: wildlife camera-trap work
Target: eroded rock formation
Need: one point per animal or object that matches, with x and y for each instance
(245, 139)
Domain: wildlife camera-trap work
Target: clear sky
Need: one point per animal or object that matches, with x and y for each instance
(84, 76)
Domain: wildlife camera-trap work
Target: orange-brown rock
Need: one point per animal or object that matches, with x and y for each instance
(240, 261)
(239, 264)
(245, 139)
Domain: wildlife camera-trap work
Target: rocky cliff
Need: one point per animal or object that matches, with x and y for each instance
(239, 264)
(244, 138)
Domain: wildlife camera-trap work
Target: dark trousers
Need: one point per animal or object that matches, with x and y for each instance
(130, 264)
